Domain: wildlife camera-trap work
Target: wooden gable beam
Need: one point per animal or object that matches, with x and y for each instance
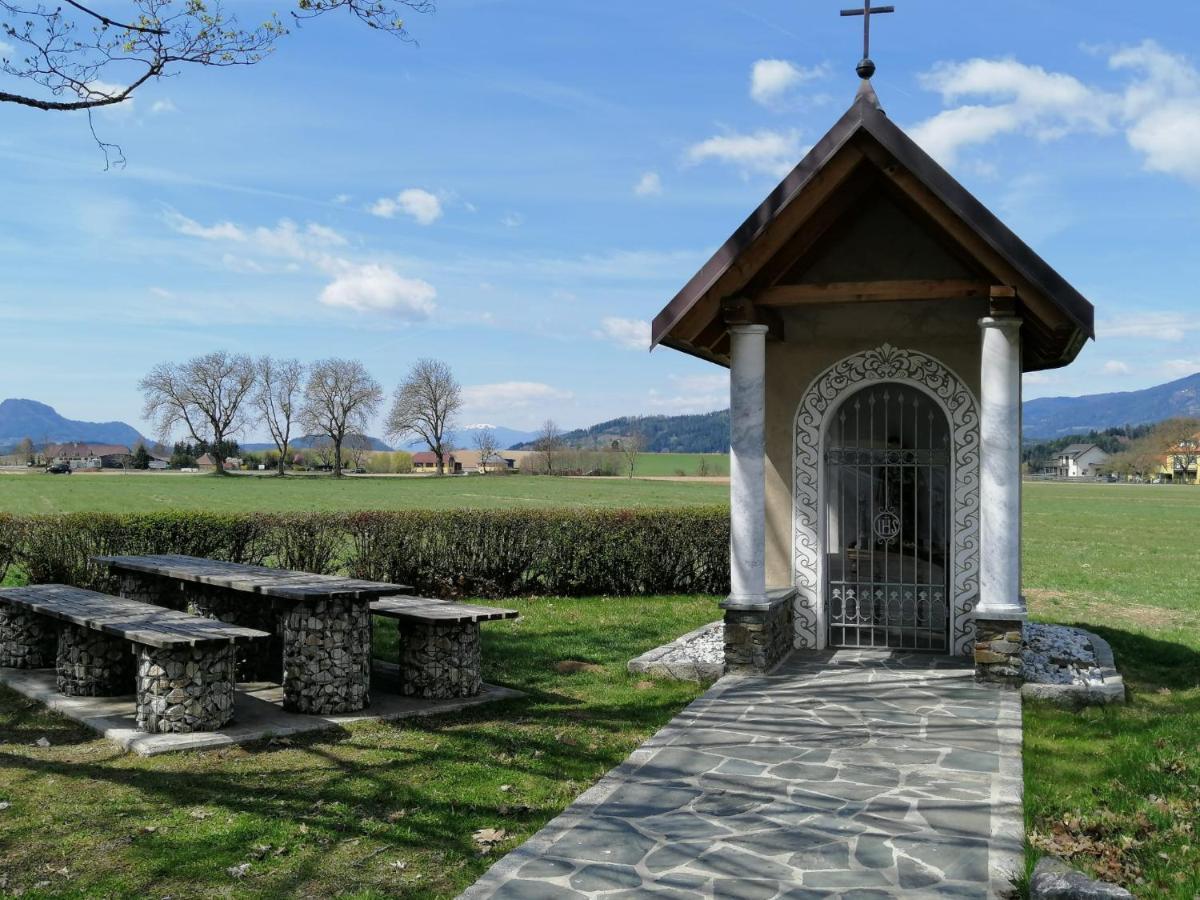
(873, 291)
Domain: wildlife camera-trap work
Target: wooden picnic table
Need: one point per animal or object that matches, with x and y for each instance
(322, 623)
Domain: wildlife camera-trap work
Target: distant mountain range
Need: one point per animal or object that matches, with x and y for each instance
(1051, 417)
(21, 419)
(700, 433)
(464, 437)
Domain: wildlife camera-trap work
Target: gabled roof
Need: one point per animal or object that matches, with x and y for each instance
(866, 144)
(1075, 450)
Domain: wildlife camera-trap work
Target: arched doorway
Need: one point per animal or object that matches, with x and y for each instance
(887, 470)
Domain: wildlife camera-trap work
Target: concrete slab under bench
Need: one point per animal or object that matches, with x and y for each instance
(257, 712)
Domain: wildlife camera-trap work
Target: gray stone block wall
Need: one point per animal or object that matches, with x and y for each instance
(757, 639)
(93, 664)
(27, 640)
(184, 689)
(439, 661)
(998, 645)
(326, 656)
(260, 660)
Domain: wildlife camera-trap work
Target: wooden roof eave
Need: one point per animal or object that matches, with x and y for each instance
(1043, 287)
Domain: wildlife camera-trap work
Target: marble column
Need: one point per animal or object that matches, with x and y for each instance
(747, 486)
(1000, 471)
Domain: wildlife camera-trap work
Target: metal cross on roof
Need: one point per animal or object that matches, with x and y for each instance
(866, 68)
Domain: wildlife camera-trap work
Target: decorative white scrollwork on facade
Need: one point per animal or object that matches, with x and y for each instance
(912, 367)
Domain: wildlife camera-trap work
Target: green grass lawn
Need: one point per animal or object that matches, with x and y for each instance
(391, 809)
(142, 492)
(1118, 789)
(379, 810)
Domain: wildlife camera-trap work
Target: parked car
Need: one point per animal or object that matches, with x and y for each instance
(58, 468)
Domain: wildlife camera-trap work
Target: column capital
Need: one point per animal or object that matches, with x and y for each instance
(1002, 322)
(749, 328)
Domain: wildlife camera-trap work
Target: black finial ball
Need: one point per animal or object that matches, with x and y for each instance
(865, 68)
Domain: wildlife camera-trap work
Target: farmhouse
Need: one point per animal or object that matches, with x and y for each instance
(876, 320)
(1079, 461)
(79, 455)
(426, 461)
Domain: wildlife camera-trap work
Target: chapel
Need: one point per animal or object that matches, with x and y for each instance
(876, 320)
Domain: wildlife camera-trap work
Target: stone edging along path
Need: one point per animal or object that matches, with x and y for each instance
(848, 774)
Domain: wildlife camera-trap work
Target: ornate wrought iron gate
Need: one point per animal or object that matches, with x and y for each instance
(887, 470)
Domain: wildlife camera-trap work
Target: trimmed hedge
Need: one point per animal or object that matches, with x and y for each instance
(465, 553)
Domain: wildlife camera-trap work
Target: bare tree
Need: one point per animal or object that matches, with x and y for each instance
(425, 405)
(25, 450)
(548, 443)
(339, 399)
(278, 396)
(488, 447)
(631, 446)
(359, 448)
(81, 58)
(207, 396)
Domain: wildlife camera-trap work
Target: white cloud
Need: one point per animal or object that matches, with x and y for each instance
(693, 393)
(425, 208)
(1116, 367)
(511, 394)
(631, 334)
(772, 79)
(649, 185)
(1181, 367)
(1158, 109)
(158, 107)
(512, 220)
(378, 288)
(342, 199)
(1161, 326)
(355, 285)
(764, 152)
(6, 50)
(161, 293)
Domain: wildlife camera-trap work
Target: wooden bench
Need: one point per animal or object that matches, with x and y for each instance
(439, 644)
(181, 667)
(321, 624)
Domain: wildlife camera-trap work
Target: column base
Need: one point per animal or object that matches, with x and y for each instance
(93, 664)
(758, 633)
(184, 689)
(998, 646)
(27, 640)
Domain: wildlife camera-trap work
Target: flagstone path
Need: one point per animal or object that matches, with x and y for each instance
(851, 774)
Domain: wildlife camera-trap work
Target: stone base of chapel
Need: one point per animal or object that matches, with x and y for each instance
(758, 635)
(998, 645)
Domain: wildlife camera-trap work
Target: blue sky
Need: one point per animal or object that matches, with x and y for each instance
(520, 194)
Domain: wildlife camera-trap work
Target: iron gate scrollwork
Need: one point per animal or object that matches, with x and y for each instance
(887, 471)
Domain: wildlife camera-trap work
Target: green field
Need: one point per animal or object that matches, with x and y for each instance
(651, 464)
(39, 493)
(1118, 789)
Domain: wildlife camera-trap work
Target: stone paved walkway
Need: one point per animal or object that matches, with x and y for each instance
(842, 775)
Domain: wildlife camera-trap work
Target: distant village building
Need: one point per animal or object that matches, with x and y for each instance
(80, 455)
(1078, 461)
(206, 462)
(426, 461)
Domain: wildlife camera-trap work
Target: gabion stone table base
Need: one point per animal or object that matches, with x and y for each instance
(152, 589)
(93, 664)
(184, 689)
(261, 661)
(27, 640)
(440, 660)
(326, 656)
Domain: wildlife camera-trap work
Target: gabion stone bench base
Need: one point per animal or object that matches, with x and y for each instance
(93, 664)
(184, 689)
(326, 656)
(27, 640)
(261, 661)
(439, 660)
